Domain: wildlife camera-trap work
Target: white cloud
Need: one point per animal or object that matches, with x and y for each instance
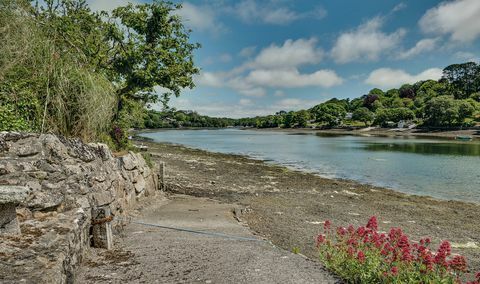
(466, 56)
(253, 92)
(245, 102)
(247, 51)
(225, 57)
(200, 18)
(271, 13)
(279, 93)
(366, 42)
(387, 77)
(292, 53)
(209, 79)
(423, 45)
(276, 66)
(109, 5)
(459, 19)
(399, 7)
(292, 78)
(244, 107)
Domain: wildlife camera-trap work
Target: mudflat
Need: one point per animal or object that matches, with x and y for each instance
(288, 207)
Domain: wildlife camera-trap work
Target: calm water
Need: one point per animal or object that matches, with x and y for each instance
(439, 168)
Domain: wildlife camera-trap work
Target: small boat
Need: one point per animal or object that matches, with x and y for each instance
(463, 138)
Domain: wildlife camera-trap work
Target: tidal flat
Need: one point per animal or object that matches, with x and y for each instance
(288, 207)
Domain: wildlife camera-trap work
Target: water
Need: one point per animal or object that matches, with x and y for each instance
(439, 168)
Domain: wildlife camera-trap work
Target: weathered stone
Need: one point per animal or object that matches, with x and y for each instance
(13, 194)
(129, 162)
(10, 197)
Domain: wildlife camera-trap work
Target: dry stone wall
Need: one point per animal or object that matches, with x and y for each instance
(65, 181)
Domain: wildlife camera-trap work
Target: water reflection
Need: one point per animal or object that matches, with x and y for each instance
(456, 149)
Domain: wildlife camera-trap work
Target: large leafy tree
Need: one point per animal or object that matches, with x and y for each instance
(140, 48)
(464, 79)
(329, 113)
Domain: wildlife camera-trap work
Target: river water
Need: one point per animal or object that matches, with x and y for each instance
(440, 168)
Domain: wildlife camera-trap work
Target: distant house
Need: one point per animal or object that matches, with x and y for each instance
(349, 115)
(405, 124)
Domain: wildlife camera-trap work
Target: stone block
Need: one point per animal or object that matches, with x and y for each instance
(10, 197)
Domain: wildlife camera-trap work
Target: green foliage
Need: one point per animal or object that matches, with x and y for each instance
(67, 70)
(175, 119)
(446, 111)
(148, 159)
(329, 113)
(394, 115)
(363, 114)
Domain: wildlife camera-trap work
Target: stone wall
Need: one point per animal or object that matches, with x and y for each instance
(66, 181)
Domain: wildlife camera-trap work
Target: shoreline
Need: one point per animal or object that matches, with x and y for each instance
(288, 205)
(382, 132)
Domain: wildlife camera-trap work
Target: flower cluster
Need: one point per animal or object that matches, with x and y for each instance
(365, 255)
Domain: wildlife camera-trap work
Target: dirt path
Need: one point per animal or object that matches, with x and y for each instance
(156, 255)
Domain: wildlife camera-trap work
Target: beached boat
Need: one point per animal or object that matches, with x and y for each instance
(464, 138)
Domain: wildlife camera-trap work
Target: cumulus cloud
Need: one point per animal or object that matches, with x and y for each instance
(459, 19)
(291, 78)
(466, 56)
(200, 18)
(421, 46)
(292, 53)
(109, 5)
(279, 93)
(366, 42)
(243, 108)
(276, 66)
(271, 13)
(388, 78)
(248, 51)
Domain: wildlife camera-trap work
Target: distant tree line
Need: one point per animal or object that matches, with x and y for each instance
(452, 101)
(181, 118)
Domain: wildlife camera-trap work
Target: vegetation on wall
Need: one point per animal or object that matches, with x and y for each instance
(68, 70)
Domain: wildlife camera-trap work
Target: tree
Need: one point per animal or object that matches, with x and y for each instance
(301, 118)
(464, 79)
(407, 91)
(383, 116)
(139, 47)
(363, 114)
(329, 113)
(441, 111)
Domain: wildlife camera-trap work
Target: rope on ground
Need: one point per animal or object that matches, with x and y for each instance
(214, 234)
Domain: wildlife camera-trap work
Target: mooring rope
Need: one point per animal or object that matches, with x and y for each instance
(214, 234)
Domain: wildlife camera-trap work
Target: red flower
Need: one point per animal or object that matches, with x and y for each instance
(341, 231)
(361, 256)
(403, 242)
(477, 276)
(320, 239)
(361, 231)
(372, 223)
(458, 263)
(394, 270)
(445, 248)
(327, 225)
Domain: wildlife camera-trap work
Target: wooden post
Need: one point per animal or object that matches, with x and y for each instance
(161, 177)
(102, 228)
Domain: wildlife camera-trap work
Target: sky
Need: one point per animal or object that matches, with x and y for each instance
(262, 56)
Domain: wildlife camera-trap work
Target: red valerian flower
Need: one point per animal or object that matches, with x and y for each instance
(458, 263)
(394, 270)
(361, 256)
(327, 225)
(320, 239)
(403, 242)
(372, 223)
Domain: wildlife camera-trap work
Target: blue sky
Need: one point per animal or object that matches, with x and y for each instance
(259, 57)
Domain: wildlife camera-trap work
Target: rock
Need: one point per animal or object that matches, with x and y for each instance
(13, 194)
(129, 162)
(10, 197)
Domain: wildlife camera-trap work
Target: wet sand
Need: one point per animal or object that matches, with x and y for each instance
(288, 206)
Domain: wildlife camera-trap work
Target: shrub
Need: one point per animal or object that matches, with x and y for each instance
(364, 255)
